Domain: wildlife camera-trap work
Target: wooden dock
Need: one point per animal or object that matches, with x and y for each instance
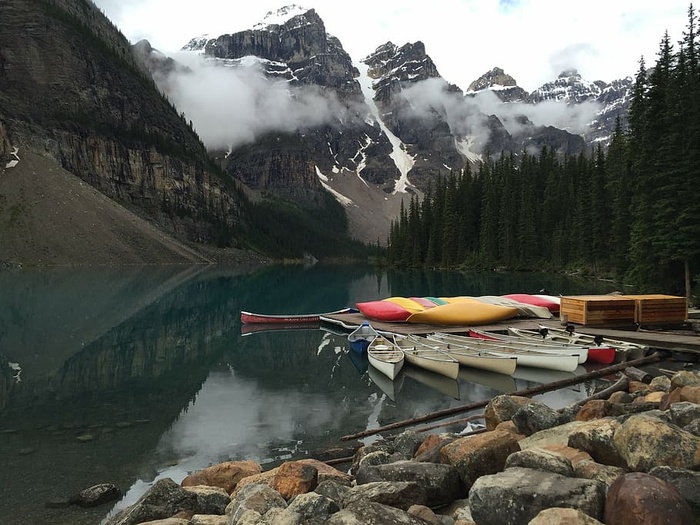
(663, 340)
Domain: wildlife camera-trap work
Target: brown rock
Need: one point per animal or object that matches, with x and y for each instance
(266, 478)
(424, 513)
(685, 378)
(326, 472)
(640, 499)
(562, 516)
(479, 455)
(574, 455)
(429, 450)
(620, 397)
(606, 474)
(674, 396)
(637, 386)
(594, 409)
(509, 426)
(294, 478)
(691, 393)
(225, 475)
(501, 408)
(653, 397)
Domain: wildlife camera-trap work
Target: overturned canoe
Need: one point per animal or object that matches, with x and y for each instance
(464, 313)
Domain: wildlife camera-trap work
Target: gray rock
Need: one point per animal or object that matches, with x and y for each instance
(541, 459)
(440, 482)
(210, 500)
(312, 508)
(596, 437)
(552, 436)
(686, 481)
(407, 443)
(693, 428)
(399, 494)
(334, 491)
(257, 497)
(535, 416)
(96, 495)
(164, 499)
(684, 413)
(517, 495)
(366, 512)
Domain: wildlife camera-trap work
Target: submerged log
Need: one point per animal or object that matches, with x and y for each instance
(556, 385)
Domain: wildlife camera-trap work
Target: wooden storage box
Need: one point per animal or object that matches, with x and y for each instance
(659, 308)
(597, 309)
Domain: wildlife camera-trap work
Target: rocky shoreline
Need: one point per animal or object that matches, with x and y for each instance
(633, 458)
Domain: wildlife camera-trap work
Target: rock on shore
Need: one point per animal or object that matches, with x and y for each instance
(631, 459)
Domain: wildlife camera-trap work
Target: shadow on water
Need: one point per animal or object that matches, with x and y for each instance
(131, 375)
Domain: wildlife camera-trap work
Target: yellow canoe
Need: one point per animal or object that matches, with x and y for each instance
(409, 304)
(465, 313)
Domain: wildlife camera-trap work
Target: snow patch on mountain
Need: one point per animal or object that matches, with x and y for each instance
(281, 17)
(403, 161)
(342, 199)
(465, 145)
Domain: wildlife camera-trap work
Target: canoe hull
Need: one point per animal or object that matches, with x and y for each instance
(251, 317)
(383, 355)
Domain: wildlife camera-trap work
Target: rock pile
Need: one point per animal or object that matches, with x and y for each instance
(631, 459)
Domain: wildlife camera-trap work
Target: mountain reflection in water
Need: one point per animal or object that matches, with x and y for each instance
(132, 375)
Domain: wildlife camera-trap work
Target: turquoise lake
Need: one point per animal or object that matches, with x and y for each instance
(130, 375)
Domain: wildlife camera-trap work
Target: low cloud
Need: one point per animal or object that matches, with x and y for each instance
(468, 116)
(232, 106)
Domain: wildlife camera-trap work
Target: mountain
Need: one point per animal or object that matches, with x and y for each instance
(396, 123)
(74, 99)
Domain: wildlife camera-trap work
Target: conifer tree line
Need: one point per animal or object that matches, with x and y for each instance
(630, 211)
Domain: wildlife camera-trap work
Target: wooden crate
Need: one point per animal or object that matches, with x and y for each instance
(597, 309)
(659, 308)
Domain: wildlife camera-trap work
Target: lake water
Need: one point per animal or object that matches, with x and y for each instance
(132, 375)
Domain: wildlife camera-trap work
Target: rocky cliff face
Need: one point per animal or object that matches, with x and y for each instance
(70, 89)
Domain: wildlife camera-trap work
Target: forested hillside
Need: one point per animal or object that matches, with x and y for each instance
(630, 212)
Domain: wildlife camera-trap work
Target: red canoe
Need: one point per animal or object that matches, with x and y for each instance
(249, 317)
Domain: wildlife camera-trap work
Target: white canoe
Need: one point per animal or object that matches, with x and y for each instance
(423, 355)
(364, 332)
(474, 358)
(385, 356)
(634, 350)
(527, 343)
(547, 360)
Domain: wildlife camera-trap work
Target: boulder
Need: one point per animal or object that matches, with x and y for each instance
(518, 495)
(258, 498)
(163, 500)
(686, 481)
(441, 482)
(478, 455)
(406, 444)
(563, 516)
(685, 378)
(639, 498)
(606, 474)
(294, 478)
(645, 442)
(660, 384)
(382, 446)
(399, 494)
(593, 409)
(552, 436)
(206, 519)
(210, 500)
(429, 449)
(541, 459)
(311, 508)
(424, 513)
(684, 413)
(502, 408)
(369, 512)
(225, 475)
(96, 495)
(690, 394)
(596, 438)
(334, 491)
(535, 416)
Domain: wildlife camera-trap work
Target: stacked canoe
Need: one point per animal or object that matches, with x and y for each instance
(455, 311)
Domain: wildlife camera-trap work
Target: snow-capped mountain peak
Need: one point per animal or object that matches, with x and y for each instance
(280, 17)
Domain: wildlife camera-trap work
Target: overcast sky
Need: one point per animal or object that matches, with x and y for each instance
(532, 40)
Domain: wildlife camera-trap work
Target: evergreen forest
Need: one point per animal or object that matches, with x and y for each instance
(628, 212)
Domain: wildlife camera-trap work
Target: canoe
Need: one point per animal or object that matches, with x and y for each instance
(530, 344)
(524, 310)
(472, 358)
(250, 317)
(386, 311)
(463, 313)
(596, 354)
(633, 349)
(424, 356)
(409, 304)
(385, 356)
(364, 332)
(550, 361)
(550, 303)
